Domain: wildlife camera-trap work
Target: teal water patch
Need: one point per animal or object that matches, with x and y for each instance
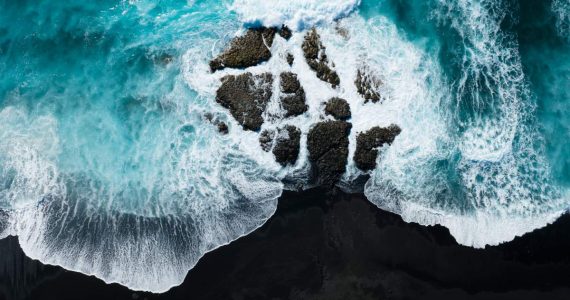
(545, 55)
(107, 164)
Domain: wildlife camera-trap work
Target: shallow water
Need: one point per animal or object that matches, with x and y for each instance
(108, 166)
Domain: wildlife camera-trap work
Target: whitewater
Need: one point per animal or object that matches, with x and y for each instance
(108, 166)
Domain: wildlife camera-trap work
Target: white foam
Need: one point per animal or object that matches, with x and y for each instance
(297, 14)
(561, 9)
(482, 175)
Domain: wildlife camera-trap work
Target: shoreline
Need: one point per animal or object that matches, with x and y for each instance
(332, 245)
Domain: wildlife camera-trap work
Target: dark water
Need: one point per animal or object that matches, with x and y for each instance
(323, 246)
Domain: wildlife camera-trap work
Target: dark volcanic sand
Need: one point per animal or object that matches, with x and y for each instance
(324, 246)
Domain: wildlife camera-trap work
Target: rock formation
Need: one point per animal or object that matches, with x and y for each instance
(246, 97)
(367, 144)
(283, 142)
(315, 54)
(246, 51)
(328, 150)
(367, 85)
(338, 108)
(293, 100)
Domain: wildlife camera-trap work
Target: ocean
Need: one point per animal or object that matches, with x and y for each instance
(108, 166)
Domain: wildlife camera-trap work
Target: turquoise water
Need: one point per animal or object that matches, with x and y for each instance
(108, 167)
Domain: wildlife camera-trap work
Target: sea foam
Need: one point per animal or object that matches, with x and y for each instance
(297, 14)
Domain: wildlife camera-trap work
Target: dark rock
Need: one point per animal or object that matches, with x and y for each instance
(246, 97)
(287, 145)
(368, 142)
(223, 128)
(341, 31)
(266, 139)
(289, 82)
(367, 84)
(285, 32)
(290, 58)
(284, 143)
(327, 143)
(338, 108)
(316, 57)
(246, 51)
(294, 99)
(209, 116)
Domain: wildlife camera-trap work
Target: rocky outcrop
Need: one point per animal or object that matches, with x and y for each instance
(327, 143)
(367, 144)
(245, 51)
(338, 108)
(293, 99)
(246, 96)
(283, 142)
(315, 54)
(367, 85)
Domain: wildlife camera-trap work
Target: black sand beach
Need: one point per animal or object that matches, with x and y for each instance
(333, 246)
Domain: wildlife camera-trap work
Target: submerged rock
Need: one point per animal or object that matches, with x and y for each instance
(316, 57)
(221, 125)
(367, 85)
(338, 108)
(290, 59)
(246, 51)
(284, 143)
(367, 144)
(327, 143)
(293, 100)
(285, 32)
(246, 97)
(223, 128)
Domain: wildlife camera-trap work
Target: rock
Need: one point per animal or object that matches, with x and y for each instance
(316, 57)
(293, 100)
(223, 128)
(290, 59)
(368, 142)
(266, 139)
(289, 82)
(246, 51)
(285, 32)
(209, 116)
(367, 84)
(338, 108)
(284, 143)
(287, 145)
(246, 96)
(343, 32)
(327, 143)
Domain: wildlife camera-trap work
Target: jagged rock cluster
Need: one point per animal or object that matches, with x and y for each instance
(293, 100)
(316, 56)
(283, 142)
(367, 85)
(246, 96)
